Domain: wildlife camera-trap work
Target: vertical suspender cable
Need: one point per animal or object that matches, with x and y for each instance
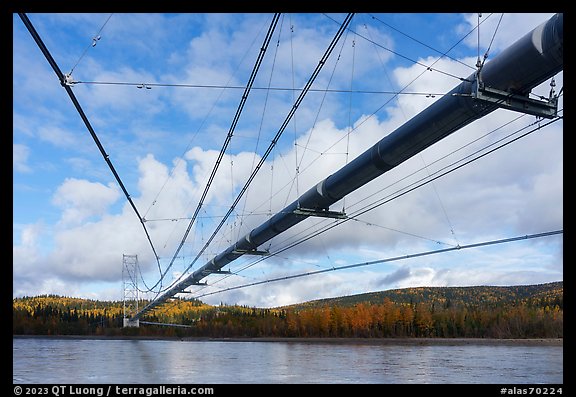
(230, 133)
(278, 134)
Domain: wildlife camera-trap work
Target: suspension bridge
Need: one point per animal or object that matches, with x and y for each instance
(504, 82)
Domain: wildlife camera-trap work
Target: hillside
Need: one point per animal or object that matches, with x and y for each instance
(552, 293)
(531, 311)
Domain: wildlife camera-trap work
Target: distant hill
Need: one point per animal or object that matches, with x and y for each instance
(552, 293)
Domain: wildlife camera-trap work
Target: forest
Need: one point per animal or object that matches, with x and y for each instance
(534, 311)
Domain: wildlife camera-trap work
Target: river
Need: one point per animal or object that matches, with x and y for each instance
(137, 361)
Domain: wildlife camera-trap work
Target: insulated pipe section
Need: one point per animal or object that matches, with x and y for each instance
(533, 59)
(529, 62)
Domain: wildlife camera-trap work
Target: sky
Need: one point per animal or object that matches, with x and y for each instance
(163, 92)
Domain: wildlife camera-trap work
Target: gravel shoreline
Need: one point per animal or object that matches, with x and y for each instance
(359, 341)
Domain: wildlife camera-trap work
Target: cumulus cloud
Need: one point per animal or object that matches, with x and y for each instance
(82, 199)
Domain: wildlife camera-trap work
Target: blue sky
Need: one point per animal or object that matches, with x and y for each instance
(161, 92)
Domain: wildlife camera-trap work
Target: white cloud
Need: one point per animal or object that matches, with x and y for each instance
(20, 154)
(30, 235)
(58, 136)
(502, 33)
(402, 274)
(81, 199)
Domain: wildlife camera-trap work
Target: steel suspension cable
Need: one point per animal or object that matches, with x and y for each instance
(446, 170)
(396, 195)
(314, 123)
(263, 113)
(392, 259)
(428, 67)
(229, 135)
(239, 87)
(93, 44)
(179, 160)
(70, 93)
(395, 94)
(443, 54)
(278, 134)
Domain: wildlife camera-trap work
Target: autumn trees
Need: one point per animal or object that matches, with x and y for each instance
(427, 313)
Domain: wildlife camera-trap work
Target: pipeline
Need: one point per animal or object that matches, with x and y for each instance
(533, 59)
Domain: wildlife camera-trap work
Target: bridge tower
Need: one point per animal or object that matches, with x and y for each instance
(130, 284)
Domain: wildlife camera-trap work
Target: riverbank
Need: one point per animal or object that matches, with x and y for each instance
(364, 341)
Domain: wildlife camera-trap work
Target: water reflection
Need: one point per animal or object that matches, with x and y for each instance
(219, 362)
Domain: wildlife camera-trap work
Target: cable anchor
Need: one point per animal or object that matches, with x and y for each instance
(69, 80)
